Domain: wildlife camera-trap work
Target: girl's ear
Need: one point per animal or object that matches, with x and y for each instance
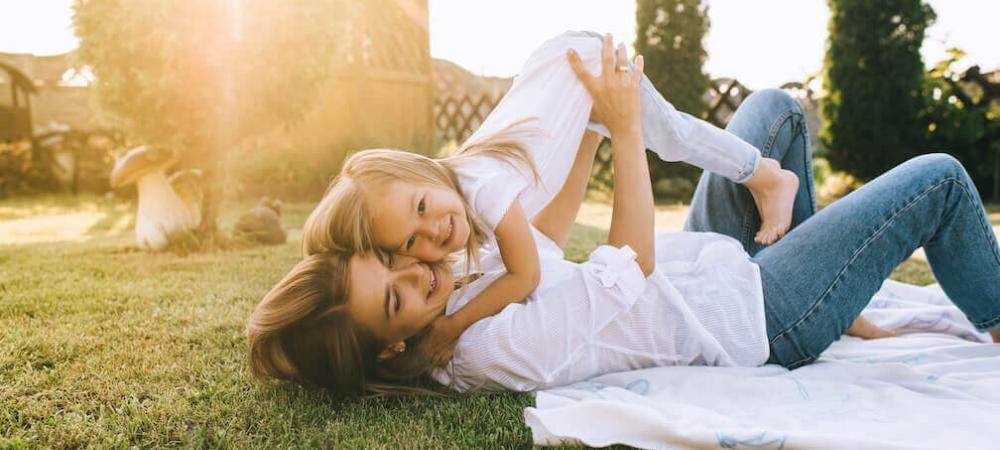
(391, 351)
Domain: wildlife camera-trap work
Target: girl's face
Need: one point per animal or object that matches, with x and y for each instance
(419, 220)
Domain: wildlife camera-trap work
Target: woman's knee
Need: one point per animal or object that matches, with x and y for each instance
(939, 165)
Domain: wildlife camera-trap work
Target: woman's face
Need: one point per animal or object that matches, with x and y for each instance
(398, 300)
(423, 221)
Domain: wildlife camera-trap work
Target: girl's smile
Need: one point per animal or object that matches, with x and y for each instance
(423, 221)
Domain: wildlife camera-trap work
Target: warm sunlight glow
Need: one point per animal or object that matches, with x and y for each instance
(39, 27)
(49, 228)
(763, 43)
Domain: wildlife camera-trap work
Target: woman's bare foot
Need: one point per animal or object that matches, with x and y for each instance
(864, 329)
(996, 335)
(773, 190)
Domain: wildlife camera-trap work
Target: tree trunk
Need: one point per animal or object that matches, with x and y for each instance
(213, 176)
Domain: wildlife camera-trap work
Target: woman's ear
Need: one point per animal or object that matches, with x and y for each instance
(391, 351)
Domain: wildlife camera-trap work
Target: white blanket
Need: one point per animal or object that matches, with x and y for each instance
(936, 386)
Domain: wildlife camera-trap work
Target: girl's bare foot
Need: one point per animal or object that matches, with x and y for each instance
(864, 329)
(773, 190)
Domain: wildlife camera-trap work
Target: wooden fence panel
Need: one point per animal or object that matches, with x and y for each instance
(457, 117)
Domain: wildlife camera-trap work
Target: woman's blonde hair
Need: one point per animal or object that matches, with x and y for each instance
(343, 221)
(302, 331)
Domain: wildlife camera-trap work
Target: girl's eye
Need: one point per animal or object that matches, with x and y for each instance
(396, 293)
(421, 207)
(410, 242)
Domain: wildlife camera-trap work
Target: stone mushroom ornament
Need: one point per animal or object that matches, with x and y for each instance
(188, 186)
(262, 223)
(161, 211)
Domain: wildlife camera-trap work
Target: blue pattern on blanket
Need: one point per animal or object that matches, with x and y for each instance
(639, 386)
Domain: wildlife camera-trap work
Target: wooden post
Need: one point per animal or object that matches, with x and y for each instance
(425, 65)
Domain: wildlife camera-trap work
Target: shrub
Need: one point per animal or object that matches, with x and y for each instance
(873, 78)
(19, 174)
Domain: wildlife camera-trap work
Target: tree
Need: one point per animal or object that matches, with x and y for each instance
(873, 81)
(670, 36)
(960, 117)
(203, 76)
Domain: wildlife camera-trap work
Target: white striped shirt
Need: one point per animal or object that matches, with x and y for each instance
(702, 305)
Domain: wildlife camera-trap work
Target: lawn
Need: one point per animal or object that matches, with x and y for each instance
(105, 346)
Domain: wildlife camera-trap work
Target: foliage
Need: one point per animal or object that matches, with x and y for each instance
(202, 76)
(19, 173)
(670, 35)
(873, 81)
(103, 346)
(957, 121)
(831, 185)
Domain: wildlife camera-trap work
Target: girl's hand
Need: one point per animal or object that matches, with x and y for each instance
(441, 340)
(615, 91)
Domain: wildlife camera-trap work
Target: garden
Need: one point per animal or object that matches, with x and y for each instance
(126, 287)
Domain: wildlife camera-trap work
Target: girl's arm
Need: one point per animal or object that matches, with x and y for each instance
(520, 256)
(557, 218)
(616, 104)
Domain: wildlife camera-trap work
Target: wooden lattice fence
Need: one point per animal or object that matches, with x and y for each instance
(456, 118)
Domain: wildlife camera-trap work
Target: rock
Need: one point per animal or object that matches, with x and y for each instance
(262, 223)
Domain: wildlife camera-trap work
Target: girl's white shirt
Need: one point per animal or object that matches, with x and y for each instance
(702, 305)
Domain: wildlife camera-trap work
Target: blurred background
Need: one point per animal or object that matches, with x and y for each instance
(149, 147)
(265, 98)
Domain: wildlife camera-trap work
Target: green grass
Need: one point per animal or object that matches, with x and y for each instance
(102, 345)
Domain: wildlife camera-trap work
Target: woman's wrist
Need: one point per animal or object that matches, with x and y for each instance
(626, 130)
(626, 136)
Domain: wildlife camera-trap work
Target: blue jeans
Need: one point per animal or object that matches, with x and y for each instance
(820, 276)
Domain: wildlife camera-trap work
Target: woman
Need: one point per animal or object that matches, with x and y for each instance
(352, 322)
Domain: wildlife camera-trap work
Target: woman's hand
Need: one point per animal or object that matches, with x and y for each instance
(440, 342)
(615, 91)
(616, 104)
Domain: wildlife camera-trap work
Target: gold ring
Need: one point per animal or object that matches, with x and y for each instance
(622, 67)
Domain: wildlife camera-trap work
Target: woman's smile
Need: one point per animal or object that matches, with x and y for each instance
(434, 283)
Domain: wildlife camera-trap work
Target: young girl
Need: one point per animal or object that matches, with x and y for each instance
(395, 202)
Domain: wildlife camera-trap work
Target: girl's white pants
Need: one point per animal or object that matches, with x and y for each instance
(548, 90)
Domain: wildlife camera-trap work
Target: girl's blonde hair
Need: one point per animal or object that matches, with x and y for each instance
(302, 331)
(343, 221)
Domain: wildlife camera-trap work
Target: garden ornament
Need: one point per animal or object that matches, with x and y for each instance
(161, 211)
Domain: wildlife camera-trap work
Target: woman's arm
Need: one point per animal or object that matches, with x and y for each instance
(616, 105)
(556, 219)
(520, 257)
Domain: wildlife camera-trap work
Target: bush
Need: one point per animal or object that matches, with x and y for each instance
(18, 172)
(873, 78)
(670, 36)
(956, 120)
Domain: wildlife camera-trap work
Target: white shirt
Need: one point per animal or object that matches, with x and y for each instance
(703, 305)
